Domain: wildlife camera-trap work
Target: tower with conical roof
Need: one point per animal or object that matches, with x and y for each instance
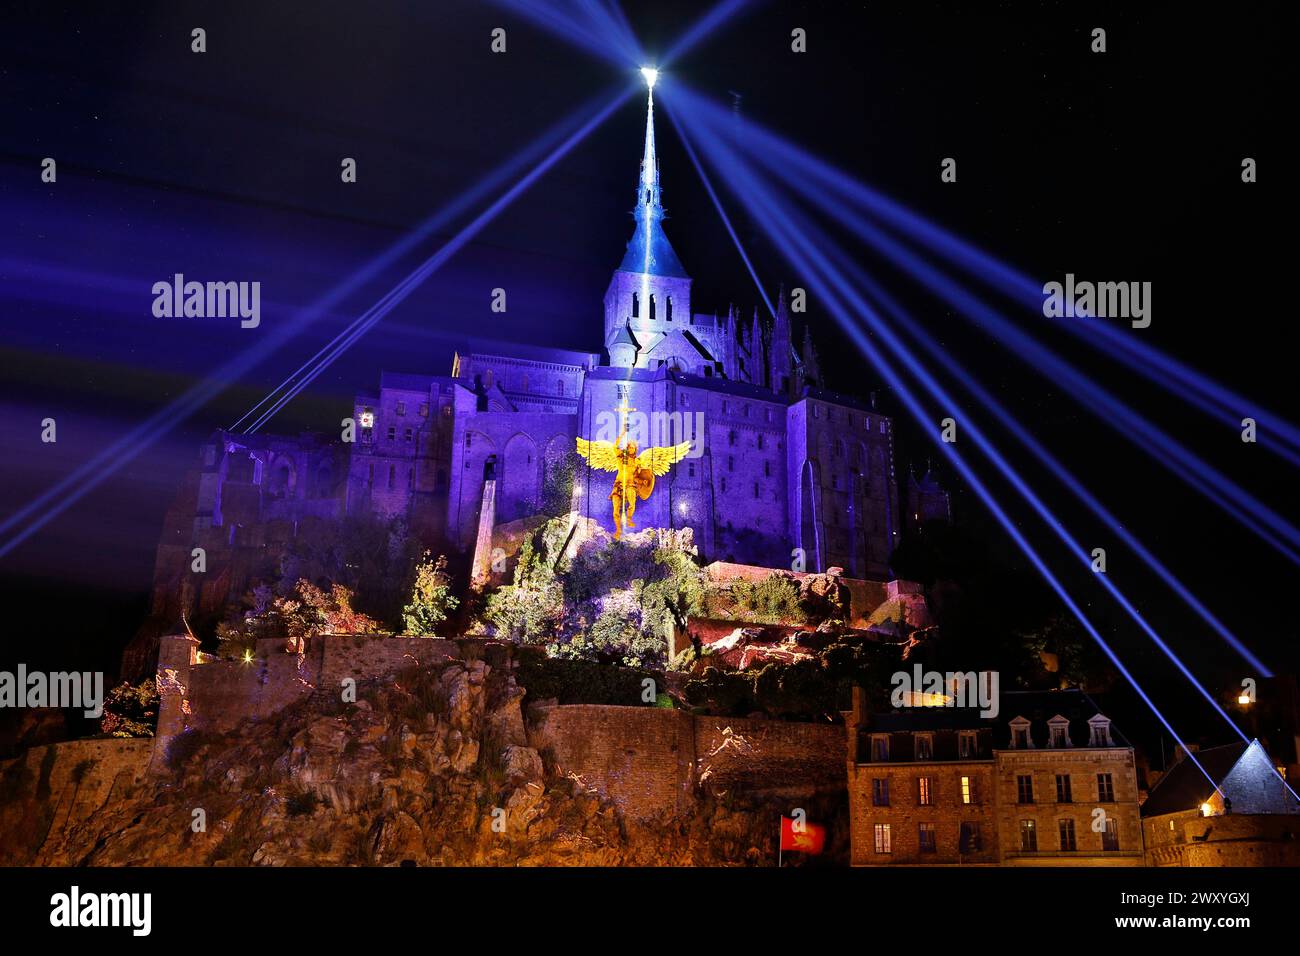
(648, 302)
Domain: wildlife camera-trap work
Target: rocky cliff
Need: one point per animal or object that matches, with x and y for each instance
(433, 766)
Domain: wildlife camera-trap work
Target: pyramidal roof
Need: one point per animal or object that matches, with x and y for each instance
(649, 251)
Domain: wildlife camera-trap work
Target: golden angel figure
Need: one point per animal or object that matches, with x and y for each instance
(635, 471)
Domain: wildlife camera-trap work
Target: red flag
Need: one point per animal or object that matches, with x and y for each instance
(804, 837)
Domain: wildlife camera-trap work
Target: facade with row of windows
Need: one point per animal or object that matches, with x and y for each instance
(1048, 782)
(782, 472)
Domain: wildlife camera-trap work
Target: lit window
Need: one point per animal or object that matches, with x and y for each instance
(968, 790)
(924, 792)
(883, 843)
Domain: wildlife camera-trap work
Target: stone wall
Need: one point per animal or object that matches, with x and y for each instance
(651, 761)
(46, 791)
(1247, 839)
(216, 695)
(951, 803)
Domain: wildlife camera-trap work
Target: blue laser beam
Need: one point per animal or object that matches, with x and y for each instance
(1193, 470)
(438, 259)
(586, 26)
(722, 213)
(806, 259)
(1179, 378)
(436, 223)
(838, 260)
(97, 469)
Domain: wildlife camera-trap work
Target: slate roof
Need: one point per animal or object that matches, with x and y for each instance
(1038, 707)
(1184, 787)
(662, 260)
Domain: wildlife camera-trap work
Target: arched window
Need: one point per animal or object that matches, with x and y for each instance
(636, 305)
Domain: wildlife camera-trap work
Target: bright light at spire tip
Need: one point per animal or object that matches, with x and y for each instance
(650, 74)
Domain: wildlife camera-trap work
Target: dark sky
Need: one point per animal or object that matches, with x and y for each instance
(225, 165)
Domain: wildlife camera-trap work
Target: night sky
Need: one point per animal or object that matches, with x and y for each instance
(225, 165)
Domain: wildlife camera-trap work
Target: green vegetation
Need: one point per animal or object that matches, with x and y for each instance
(309, 611)
(431, 597)
(613, 601)
(774, 600)
(131, 710)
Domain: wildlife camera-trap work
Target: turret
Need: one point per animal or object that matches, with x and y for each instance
(781, 353)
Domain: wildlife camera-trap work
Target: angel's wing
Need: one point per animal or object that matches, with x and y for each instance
(659, 460)
(602, 455)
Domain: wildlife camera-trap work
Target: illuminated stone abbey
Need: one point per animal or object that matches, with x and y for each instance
(782, 473)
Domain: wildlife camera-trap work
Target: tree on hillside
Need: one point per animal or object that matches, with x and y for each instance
(309, 611)
(431, 597)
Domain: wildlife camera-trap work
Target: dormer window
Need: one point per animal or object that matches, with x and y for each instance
(1020, 739)
(966, 744)
(880, 747)
(924, 746)
(1099, 731)
(1058, 732)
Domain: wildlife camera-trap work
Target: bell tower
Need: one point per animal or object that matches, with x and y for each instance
(649, 296)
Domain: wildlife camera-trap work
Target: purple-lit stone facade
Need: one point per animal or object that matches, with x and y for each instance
(783, 473)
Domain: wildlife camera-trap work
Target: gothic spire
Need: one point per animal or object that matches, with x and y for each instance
(649, 251)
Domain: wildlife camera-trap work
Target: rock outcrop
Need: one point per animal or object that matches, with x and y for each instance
(431, 767)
